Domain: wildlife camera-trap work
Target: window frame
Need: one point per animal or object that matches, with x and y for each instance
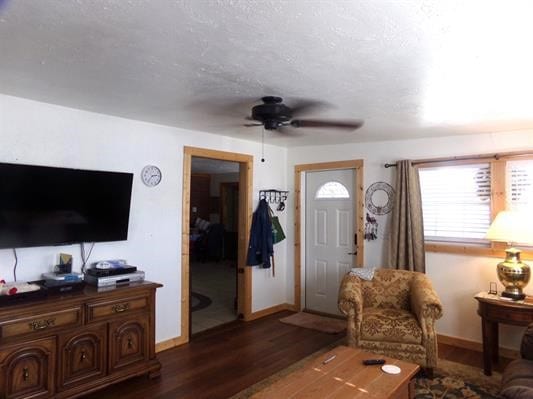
(497, 202)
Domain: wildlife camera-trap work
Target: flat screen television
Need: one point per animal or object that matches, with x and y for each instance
(42, 206)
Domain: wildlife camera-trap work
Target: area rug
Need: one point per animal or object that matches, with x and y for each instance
(314, 322)
(450, 381)
(454, 381)
(199, 301)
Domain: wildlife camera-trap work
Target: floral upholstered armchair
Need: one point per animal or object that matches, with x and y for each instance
(393, 314)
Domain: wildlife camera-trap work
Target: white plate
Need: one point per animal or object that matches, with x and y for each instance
(391, 369)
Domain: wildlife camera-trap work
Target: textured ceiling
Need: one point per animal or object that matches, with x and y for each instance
(408, 68)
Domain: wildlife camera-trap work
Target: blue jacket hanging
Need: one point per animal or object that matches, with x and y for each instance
(260, 247)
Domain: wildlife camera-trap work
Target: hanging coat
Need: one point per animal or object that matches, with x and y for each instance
(260, 247)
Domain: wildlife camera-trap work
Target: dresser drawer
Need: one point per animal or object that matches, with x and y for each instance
(103, 310)
(32, 324)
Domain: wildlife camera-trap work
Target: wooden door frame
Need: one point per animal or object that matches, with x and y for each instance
(244, 273)
(359, 208)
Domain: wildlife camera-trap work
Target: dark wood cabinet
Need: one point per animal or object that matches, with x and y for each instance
(129, 344)
(27, 369)
(82, 356)
(66, 346)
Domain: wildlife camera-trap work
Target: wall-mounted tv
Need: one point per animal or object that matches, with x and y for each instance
(42, 206)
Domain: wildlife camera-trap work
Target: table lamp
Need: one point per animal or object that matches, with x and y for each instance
(512, 227)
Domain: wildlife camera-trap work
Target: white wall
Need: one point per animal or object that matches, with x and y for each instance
(456, 278)
(45, 134)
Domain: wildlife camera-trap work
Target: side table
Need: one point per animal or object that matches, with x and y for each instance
(492, 311)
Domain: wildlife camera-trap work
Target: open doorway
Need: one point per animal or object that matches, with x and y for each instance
(214, 207)
(236, 213)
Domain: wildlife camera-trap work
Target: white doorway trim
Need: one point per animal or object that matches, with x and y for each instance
(299, 171)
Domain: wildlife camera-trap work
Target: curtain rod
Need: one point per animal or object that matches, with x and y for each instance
(496, 156)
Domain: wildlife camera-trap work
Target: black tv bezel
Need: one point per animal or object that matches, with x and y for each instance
(51, 243)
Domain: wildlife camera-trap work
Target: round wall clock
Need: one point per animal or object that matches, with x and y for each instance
(379, 198)
(151, 175)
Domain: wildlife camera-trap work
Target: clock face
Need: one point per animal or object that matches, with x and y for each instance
(151, 175)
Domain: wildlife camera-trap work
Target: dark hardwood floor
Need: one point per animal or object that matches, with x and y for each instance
(220, 362)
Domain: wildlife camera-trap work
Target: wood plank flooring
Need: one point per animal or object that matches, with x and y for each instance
(220, 362)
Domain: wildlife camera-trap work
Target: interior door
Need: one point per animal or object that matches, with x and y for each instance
(330, 244)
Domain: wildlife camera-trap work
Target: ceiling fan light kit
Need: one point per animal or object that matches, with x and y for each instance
(272, 113)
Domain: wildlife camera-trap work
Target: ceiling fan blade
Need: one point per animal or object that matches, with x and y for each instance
(301, 106)
(252, 124)
(337, 124)
(287, 130)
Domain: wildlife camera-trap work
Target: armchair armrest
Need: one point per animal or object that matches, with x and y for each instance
(351, 304)
(526, 347)
(350, 297)
(424, 300)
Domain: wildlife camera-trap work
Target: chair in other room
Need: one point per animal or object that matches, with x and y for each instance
(393, 315)
(211, 246)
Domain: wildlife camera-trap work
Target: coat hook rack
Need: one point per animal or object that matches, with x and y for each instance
(274, 197)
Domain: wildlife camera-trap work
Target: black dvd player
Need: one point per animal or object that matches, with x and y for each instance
(112, 271)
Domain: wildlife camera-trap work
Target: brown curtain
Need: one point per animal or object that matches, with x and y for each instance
(407, 229)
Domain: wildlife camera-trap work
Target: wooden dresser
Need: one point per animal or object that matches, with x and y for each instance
(68, 345)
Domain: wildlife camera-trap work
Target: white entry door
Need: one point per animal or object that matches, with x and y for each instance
(330, 246)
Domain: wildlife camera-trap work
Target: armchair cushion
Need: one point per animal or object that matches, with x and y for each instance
(391, 325)
(517, 378)
(517, 392)
(387, 290)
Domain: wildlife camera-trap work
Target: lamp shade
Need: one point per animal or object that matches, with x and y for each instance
(513, 227)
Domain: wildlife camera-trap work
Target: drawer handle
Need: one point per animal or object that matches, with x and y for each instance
(83, 356)
(130, 343)
(41, 324)
(121, 307)
(25, 374)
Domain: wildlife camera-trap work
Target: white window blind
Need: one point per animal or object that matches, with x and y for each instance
(519, 181)
(456, 202)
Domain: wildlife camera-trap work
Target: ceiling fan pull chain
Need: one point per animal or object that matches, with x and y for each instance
(263, 144)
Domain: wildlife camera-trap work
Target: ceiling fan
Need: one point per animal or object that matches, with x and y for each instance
(274, 115)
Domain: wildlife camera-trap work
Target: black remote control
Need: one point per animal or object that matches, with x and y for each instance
(370, 362)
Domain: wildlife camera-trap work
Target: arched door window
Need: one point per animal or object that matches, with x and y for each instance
(332, 189)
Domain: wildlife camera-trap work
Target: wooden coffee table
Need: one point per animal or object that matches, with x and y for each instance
(344, 377)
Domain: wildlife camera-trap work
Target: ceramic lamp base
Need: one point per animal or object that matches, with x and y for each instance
(513, 274)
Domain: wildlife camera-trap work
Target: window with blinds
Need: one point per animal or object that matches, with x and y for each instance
(456, 202)
(519, 185)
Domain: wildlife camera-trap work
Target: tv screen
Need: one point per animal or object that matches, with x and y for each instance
(42, 206)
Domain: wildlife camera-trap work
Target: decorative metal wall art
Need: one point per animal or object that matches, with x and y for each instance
(381, 207)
